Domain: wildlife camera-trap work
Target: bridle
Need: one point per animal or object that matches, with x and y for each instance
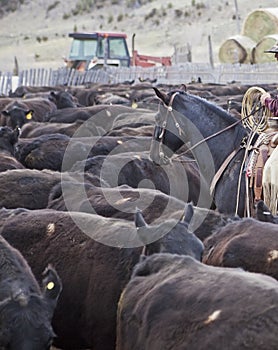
(159, 133)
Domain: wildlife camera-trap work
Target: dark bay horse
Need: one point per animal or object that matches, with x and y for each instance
(216, 139)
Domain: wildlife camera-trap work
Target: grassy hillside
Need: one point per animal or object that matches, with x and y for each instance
(36, 32)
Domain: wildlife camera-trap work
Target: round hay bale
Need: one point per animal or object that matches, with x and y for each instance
(259, 55)
(236, 49)
(260, 23)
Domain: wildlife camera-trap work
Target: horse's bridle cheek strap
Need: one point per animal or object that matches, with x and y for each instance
(170, 112)
(160, 129)
(157, 132)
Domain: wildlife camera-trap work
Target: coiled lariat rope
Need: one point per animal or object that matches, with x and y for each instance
(258, 115)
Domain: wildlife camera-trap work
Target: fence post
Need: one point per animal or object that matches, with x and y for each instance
(16, 69)
(210, 52)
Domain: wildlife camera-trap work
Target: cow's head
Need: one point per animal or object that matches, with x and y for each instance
(8, 139)
(62, 99)
(17, 116)
(25, 317)
(171, 236)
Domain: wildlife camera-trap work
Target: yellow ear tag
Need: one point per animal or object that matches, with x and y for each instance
(50, 285)
(134, 105)
(29, 116)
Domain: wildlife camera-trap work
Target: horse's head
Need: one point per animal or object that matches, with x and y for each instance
(184, 118)
(168, 132)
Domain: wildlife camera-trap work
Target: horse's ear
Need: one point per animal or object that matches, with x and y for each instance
(162, 96)
(183, 87)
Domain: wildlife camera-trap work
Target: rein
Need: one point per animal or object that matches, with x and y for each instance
(213, 135)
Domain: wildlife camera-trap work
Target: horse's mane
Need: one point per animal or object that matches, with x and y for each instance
(215, 109)
(212, 106)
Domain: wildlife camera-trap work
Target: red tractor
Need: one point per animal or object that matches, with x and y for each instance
(99, 49)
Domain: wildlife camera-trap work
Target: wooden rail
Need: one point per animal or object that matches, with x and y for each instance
(177, 74)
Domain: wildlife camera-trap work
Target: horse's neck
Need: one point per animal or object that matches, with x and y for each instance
(217, 148)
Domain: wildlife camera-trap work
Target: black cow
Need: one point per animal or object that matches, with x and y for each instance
(109, 98)
(101, 93)
(188, 244)
(26, 311)
(101, 115)
(93, 271)
(48, 152)
(8, 141)
(62, 99)
(181, 179)
(206, 221)
(35, 129)
(28, 188)
(68, 115)
(247, 243)
(22, 90)
(121, 202)
(145, 130)
(85, 96)
(118, 202)
(176, 302)
(60, 152)
(140, 117)
(19, 112)
(111, 144)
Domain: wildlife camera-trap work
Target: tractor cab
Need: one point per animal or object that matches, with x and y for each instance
(97, 49)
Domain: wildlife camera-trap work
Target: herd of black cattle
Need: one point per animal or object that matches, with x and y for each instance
(99, 250)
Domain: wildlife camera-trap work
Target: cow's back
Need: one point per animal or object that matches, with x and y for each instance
(175, 302)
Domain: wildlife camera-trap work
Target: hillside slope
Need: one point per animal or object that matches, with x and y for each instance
(36, 32)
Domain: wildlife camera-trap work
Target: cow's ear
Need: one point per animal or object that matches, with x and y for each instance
(188, 214)
(162, 96)
(52, 96)
(5, 113)
(139, 219)
(29, 114)
(51, 284)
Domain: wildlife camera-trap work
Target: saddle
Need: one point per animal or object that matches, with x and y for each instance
(262, 150)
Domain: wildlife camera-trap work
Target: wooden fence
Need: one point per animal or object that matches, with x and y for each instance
(177, 74)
